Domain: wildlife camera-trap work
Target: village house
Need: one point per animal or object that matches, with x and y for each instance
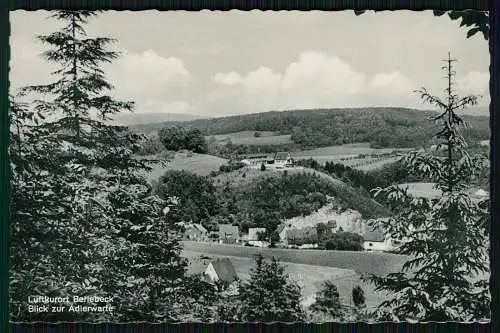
(375, 240)
(276, 160)
(221, 270)
(255, 160)
(213, 236)
(194, 231)
(281, 230)
(228, 234)
(282, 160)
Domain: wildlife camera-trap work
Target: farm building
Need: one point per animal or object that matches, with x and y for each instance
(221, 270)
(375, 240)
(228, 233)
(281, 230)
(282, 159)
(213, 236)
(256, 159)
(277, 160)
(195, 231)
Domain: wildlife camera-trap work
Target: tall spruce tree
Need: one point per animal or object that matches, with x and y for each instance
(446, 239)
(269, 295)
(327, 303)
(85, 220)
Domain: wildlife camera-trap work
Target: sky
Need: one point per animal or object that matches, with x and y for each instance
(213, 63)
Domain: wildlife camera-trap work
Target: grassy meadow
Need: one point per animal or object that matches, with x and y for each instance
(309, 277)
(310, 268)
(249, 138)
(200, 164)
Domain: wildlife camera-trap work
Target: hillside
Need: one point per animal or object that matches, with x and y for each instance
(139, 118)
(349, 220)
(349, 197)
(249, 138)
(199, 164)
(381, 127)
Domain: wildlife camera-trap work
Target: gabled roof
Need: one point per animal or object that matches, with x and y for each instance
(280, 228)
(281, 155)
(224, 269)
(200, 228)
(255, 156)
(228, 230)
(373, 235)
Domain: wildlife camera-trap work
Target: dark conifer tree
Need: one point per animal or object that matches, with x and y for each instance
(446, 238)
(327, 303)
(269, 295)
(85, 209)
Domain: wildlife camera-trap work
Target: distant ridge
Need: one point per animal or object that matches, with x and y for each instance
(479, 111)
(283, 121)
(137, 118)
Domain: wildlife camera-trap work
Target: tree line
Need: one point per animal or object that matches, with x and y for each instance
(382, 127)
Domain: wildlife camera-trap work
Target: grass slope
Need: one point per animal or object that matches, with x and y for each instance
(308, 267)
(248, 138)
(309, 277)
(201, 164)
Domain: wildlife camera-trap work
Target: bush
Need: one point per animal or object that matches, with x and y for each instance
(344, 241)
(177, 138)
(150, 146)
(231, 167)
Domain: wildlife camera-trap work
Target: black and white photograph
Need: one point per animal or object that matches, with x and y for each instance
(249, 166)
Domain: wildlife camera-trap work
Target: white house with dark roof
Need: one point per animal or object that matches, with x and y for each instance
(256, 160)
(376, 240)
(221, 270)
(282, 159)
(194, 231)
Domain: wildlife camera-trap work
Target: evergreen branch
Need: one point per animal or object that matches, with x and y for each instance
(433, 100)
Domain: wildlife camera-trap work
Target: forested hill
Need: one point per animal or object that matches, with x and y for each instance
(398, 127)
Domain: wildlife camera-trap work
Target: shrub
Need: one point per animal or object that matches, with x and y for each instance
(344, 241)
(150, 146)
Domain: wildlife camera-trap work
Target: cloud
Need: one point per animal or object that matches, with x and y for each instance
(174, 107)
(26, 65)
(228, 79)
(393, 83)
(153, 81)
(329, 73)
(314, 80)
(474, 83)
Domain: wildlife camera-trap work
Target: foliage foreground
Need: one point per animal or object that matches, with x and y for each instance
(86, 223)
(447, 238)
